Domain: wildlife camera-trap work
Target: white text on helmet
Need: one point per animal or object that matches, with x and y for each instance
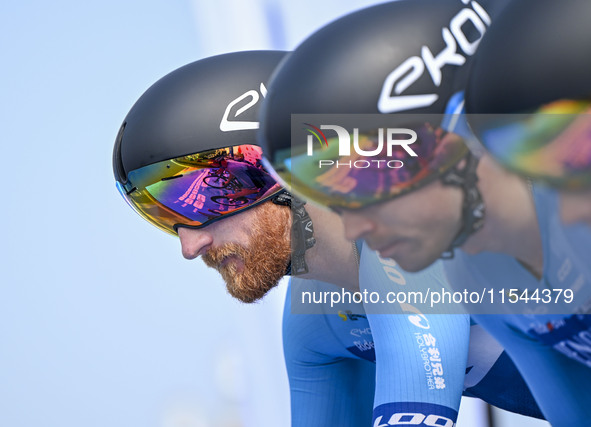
(407, 73)
(253, 97)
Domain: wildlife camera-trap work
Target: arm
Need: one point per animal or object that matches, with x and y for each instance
(560, 385)
(423, 373)
(492, 376)
(421, 359)
(328, 385)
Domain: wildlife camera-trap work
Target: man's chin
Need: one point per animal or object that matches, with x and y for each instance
(233, 263)
(246, 293)
(416, 263)
(252, 270)
(247, 283)
(246, 299)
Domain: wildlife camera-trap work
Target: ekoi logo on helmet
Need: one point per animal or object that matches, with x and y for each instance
(249, 99)
(392, 100)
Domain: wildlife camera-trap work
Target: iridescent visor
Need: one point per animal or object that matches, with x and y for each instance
(552, 144)
(369, 166)
(197, 189)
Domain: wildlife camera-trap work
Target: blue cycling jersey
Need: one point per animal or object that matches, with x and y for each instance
(553, 351)
(423, 362)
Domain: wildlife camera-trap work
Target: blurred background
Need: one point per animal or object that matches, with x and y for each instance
(102, 322)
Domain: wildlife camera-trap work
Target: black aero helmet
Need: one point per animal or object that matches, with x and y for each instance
(186, 152)
(529, 92)
(408, 57)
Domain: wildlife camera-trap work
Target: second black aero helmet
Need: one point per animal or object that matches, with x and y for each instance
(407, 57)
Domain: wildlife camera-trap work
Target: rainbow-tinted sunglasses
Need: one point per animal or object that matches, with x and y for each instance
(551, 144)
(198, 189)
(353, 180)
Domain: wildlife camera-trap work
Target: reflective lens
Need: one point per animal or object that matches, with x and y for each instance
(552, 144)
(197, 189)
(373, 167)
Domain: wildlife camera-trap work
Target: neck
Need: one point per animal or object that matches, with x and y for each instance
(511, 225)
(332, 258)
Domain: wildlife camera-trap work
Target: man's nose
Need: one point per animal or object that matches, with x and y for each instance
(357, 226)
(194, 242)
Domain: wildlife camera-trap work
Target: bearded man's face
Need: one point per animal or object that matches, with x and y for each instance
(253, 266)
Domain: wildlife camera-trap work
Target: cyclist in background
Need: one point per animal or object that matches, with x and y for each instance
(251, 180)
(492, 228)
(546, 122)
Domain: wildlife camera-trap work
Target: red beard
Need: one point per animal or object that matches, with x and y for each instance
(252, 270)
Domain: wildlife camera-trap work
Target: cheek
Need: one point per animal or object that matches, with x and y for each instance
(445, 209)
(406, 219)
(409, 213)
(353, 221)
(435, 225)
(394, 215)
(232, 230)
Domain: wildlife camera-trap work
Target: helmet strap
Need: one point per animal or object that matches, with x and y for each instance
(473, 209)
(302, 232)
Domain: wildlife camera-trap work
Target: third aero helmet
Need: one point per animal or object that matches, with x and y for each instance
(186, 154)
(529, 95)
(406, 57)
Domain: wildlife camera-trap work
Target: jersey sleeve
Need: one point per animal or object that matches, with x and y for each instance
(559, 385)
(492, 376)
(328, 385)
(420, 359)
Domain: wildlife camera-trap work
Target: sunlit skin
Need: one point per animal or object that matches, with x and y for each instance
(332, 258)
(195, 242)
(575, 207)
(413, 229)
(417, 228)
(251, 250)
(511, 225)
